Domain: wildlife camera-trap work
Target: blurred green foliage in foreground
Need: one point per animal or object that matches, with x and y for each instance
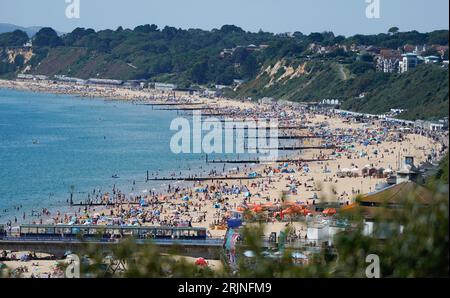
(421, 250)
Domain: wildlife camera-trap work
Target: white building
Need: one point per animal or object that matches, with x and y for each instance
(408, 172)
(409, 61)
(96, 81)
(387, 65)
(165, 87)
(32, 77)
(322, 230)
(64, 78)
(432, 59)
(267, 100)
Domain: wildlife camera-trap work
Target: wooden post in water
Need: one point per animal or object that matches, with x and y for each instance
(71, 194)
(146, 180)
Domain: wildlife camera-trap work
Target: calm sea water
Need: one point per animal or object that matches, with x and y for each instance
(49, 143)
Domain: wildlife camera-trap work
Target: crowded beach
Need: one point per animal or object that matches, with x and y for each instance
(358, 157)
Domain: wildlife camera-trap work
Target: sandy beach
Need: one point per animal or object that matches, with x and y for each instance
(362, 145)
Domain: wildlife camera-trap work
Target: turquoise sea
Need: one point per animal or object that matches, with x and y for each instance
(49, 143)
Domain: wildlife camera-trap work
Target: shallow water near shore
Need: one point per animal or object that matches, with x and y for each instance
(49, 143)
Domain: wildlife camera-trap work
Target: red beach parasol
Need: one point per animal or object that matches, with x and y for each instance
(201, 262)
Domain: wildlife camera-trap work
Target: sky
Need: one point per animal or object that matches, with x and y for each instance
(344, 17)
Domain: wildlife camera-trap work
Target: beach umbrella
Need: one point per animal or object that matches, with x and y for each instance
(249, 254)
(234, 223)
(251, 175)
(67, 253)
(268, 205)
(201, 262)
(329, 211)
(298, 255)
(266, 253)
(186, 198)
(257, 209)
(276, 255)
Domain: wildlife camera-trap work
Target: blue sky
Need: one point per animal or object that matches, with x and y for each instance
(346, 17)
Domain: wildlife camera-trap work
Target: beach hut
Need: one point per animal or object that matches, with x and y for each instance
(373, 171)
(365, 172)
(387, 172)
(354, 172)
(341, 174)
(346, 172)
(380, 173)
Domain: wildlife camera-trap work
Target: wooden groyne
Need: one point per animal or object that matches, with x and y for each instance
(257, 161)
(215, 114)
(202, 178)
(292, 148)
(286, 137)
(267, 128)
(171, 104)
(183, 109)
(104, 204)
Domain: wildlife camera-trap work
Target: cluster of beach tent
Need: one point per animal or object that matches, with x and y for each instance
(234, 190)
(349, 136)
(329, 212)
(282, 169)
(345, 172)
(367, 170)
(292, 209)
(257, 208)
